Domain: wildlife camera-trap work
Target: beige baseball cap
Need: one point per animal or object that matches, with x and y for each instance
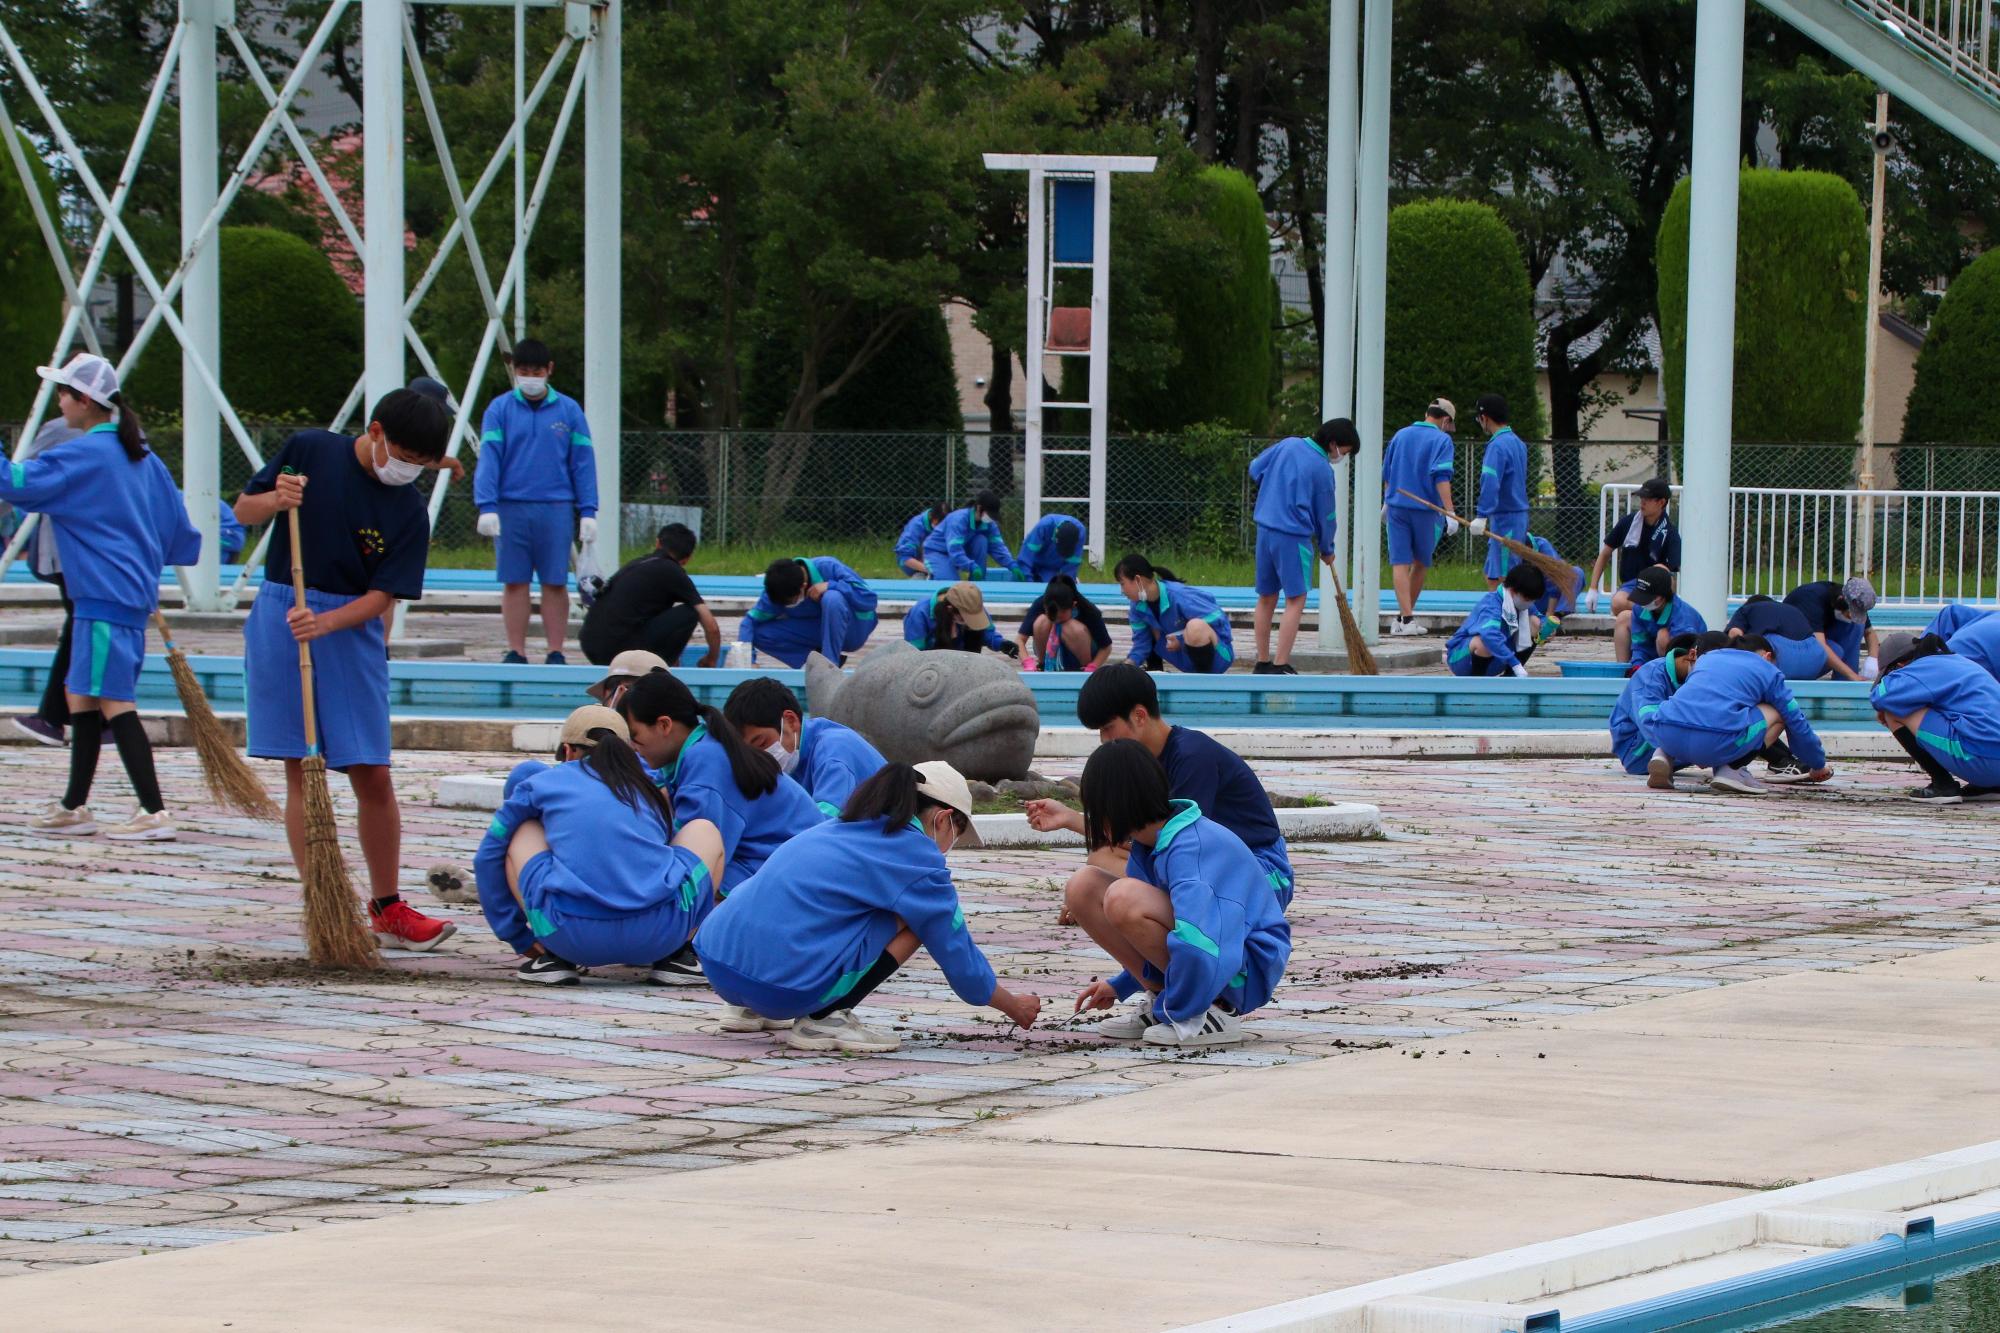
(970, 605)
(942, 783)
(631, 663)
(593, 717)
(1442, 405)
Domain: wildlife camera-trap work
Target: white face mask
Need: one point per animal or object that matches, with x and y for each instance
(393, 471)
(532, 386)
(787, 759)
(947, 823)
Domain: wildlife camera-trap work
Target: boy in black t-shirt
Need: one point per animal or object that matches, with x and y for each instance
(651, 604)
(366, 537)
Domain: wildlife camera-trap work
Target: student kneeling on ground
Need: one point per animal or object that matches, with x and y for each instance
(1944, 710)
(1798, 653)
(1657, 614)
(839, 908)
(1175, 624)
(1063, 631)
(1193, 923)
(954, 617)
(1645, 690)
(1733, 708)
(577, 870)
(1499, 636)
(822, 756)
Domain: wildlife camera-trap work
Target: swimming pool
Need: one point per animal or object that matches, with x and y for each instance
(1968, 1302)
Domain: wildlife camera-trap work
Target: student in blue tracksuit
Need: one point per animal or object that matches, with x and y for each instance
(967, 540)
(1557, 601)
(536, 489)
(1838, 615)
(1975, 637)
(1944, 710)
(810, 604)
(1052, 547)
(822, 756)
(1173, 623)
(1500, 634)
(1785, 628)
(1296, 526)
(1658, 614)
(954, 617)
(712, 773)
(1640, 539)
(1120, 702)
(1503, 486)
(1732, 708)
(230, 534)
(1645, 690)
(1063, 631)
(838, 909)
(1954, 617)
(1193, 922)
(1418, 461)
(910, 545)
(366, 538)
(117, 518)
(577, 869)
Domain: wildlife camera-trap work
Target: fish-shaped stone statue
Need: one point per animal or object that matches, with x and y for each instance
(968, 709)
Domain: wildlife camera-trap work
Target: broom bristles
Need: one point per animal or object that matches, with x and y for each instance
(230, 781)
(1360, 659)
(1553, 568)
(336, 935)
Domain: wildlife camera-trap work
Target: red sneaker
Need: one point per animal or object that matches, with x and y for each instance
(401, 926)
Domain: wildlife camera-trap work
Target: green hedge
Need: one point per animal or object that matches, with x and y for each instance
(1801, 266)
(1954, 400)
(291, 333)
(32, 314)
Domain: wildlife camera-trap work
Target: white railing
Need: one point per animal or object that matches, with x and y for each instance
(1919, 548)
(1957, 34)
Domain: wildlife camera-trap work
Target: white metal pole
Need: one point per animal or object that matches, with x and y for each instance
(1336, 375)
(201, 299)
(603, 230)
(1100, 356)
(520, 164)
(1031, 478)
(1371, 294)
(1873, 315)
(382, 191)
(1708, 393)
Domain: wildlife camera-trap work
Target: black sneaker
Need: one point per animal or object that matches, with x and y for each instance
(1938, 793)
(681, 969)
(555, 659)
(1285, 670)
(1791, 770)
(1981, 795)
(545, 969)
(1262, 669)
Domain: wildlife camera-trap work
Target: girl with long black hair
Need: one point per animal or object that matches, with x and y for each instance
(1173, 623)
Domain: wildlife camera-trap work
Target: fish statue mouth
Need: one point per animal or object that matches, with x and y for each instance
(988, 709)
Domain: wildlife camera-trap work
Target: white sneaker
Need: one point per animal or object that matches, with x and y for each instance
(1660, 772)
(63, 823)
(1218, 1027)
(840, 1030)
(1740, 780)
(735, 1018)
(1408, 628)
(143, 827)
(1131, 1024)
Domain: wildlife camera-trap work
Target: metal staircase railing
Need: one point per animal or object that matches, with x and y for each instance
(1957, 35)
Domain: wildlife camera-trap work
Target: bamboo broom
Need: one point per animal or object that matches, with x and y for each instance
(1556, 571)
(336, 936)
(1360, 659)
(229, 779)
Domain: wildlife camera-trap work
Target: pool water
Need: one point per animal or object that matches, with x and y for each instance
(1966, 1303)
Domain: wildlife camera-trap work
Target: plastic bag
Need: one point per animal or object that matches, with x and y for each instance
(589, 574)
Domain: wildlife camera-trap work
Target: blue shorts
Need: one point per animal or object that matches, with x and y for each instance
(1277, 864)
(535, 537)
(637, 938)
(1799, 659)
(1181, 660)
(1498, 558)
(104, 660)
(768, 1001)
(1284, 563)
(350, 684)
(1942, 739)
(1413, 535)
(1705, 747)
(1472, 664)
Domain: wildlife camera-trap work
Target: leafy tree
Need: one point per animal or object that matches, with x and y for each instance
(1953, 400)
(33, 312)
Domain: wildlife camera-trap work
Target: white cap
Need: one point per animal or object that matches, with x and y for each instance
(91, 376)
(628, 665)
(942, 783)
(1443, 407)
(592, 717)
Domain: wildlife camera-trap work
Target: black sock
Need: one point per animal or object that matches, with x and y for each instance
(1939, 774)
(376, 906)
(884, 968)
(86, 737)
(1778, 754)
(1523, 654)
(136, 752)
(1202, 657)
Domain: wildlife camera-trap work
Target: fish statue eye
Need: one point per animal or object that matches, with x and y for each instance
(926, 685)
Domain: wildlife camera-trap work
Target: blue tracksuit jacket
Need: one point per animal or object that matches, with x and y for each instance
(1647, 688)
(1295, 492)
(1503, 478)
(615, 850)
(1040, 561)
(117, 522)
(920, 628)
(833, 761)
(1677, 617)
(817, 916)
(535, 452)
(910, 546)
(1958, 691)
(960, 548)
(1179, 603)
(1489, 626)
(1721, 695)
(1954, 617)
(1230, 940)
(702, 787)
(1419, 456)
(838, 623)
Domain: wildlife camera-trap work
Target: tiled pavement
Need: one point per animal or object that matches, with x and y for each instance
(171, 1075)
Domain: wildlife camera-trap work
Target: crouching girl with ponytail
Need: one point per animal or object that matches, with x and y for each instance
(839, 908)
(577, 871)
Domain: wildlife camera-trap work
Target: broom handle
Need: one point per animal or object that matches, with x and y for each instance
(305, 652)
(160, 624)
(1426, 503)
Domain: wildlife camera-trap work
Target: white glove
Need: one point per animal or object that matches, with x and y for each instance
(1518, 669)
(1477, 527)
(1871, 669)
(1590, 602)
(1451, 526)
(586, 530)
(489, 525)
